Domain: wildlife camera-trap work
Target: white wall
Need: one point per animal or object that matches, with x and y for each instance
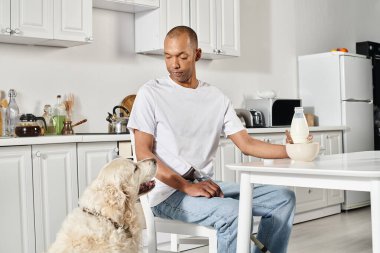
(322, 25)
(273, 33)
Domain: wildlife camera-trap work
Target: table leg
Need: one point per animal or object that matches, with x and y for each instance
(375, 216)
(245, 214)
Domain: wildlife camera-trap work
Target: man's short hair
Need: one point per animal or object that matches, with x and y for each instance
(179, 30)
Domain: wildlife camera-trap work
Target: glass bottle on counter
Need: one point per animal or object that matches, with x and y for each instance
(59, 115)
(299, 129)
(50, 129)
(11, 114)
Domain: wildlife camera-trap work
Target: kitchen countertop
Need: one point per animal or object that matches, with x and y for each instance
(102, 137)
(86, 137)
(271, 130)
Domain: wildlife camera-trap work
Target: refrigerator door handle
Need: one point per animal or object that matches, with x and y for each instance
(369, 101)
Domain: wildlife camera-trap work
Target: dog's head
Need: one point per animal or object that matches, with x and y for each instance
(129, 177)
(117, 187)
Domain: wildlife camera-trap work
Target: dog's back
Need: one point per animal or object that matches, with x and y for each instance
(84, 233)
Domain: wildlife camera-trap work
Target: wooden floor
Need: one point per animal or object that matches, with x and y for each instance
(348, 232)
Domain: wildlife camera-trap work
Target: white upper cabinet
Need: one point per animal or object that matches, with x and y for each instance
(46, 22)
(73, 20)
(203, 22)
(32, 18)
(5, 16)
(151, 26)
(127, 5)
(26, 21)
(217, 23)
(228, 26)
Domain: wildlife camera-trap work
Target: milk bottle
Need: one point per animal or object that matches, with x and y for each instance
(299, 129)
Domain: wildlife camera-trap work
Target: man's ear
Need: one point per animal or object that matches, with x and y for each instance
(198, 54)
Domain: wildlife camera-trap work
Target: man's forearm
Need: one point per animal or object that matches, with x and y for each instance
(164, 173)
(266, 150)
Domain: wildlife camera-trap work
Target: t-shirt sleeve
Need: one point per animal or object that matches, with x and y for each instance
(232, 123)
(142, 116)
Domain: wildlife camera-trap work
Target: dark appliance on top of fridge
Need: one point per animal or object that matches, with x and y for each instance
(372, 50)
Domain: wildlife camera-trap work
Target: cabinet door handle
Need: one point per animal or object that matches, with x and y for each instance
(15, 31)
(220, 51)
(309, 191)
(38, 154)
(89, 39)
(113, 154)
(8, 30)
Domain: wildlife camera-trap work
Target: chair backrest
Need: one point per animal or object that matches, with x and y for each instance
(148, 214)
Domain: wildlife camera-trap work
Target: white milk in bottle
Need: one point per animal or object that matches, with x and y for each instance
(299, 129)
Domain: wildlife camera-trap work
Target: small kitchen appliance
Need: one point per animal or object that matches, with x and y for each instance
(251, 118)
(276, 112)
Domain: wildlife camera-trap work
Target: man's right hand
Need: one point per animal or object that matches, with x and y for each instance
(207, 189)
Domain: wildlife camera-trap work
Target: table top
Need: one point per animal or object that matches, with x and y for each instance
(358, 164)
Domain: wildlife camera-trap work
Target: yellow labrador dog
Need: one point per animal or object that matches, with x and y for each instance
(106, 219)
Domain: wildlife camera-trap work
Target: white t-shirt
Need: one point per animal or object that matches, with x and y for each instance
(186, 125)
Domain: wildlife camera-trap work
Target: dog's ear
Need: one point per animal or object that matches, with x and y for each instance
(114, 200)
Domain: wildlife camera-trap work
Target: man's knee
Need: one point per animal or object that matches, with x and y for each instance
(287, 195)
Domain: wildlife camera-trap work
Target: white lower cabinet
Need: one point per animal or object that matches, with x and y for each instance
(55, 187)
(91, 159)
(39, 186)
(311, 202)
(16, 197)
(229, 153)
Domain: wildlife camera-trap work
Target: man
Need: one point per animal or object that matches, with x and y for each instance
(179, 120)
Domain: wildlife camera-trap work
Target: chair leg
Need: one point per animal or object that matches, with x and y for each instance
(213, 244)
(174, 245)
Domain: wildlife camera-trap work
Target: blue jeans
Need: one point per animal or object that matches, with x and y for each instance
(275, 204)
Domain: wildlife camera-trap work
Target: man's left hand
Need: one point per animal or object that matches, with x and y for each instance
(289, 139)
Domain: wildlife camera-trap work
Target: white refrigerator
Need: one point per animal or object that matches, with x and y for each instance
(338, 86)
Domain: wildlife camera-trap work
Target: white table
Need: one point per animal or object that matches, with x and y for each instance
(359, 171)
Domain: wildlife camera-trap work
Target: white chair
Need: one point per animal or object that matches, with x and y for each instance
(156, 224)
(173, 227)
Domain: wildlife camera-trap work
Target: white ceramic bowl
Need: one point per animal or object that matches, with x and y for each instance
(305, 152)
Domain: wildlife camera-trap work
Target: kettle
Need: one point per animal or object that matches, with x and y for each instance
(257, 118)
(118, 124)
(28, 127)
